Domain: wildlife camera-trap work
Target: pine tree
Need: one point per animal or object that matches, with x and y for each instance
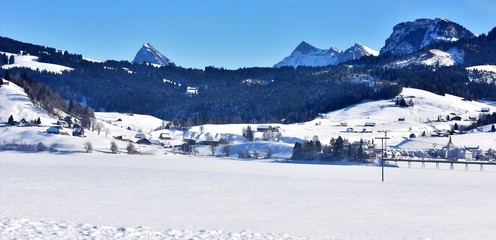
(11, 121)
(360, 152)
(6, 75)
(249, 134)
(338, 147)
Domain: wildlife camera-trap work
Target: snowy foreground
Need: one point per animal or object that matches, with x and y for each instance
(75, 196)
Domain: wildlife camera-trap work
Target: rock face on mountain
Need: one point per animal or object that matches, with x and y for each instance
(408, 37)
(308, 55)
(149, 54)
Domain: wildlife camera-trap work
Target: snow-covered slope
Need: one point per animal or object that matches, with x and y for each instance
(28, 61)
(482, 73)
(385, 114)
(137, 122)
(486, 68)
(433, 58)
(408, 37)
(15, 102)
(151, 55)
(308, 55)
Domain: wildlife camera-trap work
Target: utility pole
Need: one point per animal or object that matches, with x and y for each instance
(383, 140)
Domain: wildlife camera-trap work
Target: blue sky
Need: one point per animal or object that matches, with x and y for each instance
(223, 33)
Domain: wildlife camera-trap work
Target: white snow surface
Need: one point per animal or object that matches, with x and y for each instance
(26, 229)
(487, 68)
(29, 61)
(195, 193)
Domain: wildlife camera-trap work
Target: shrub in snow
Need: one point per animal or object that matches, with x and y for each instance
(40, 147)
(113, 147)
(226, 150)
(88, 147)
(269, 153)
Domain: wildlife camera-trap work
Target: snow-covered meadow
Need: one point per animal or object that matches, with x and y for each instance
(234, 196)
(31, 62)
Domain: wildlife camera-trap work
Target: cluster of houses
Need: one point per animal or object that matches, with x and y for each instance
(62, 127)
(449, 152)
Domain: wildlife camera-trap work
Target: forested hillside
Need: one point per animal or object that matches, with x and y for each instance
(216, 95)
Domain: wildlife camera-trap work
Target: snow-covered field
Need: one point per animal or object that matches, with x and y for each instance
(195, 193)
(28, 61)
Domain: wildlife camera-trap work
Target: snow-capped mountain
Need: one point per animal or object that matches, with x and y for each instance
(308, 55)
(408, 37)
(357, 51)
(151, 55)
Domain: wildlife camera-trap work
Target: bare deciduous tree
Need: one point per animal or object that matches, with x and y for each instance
(130, 148)
(107, 131)
(98, 127)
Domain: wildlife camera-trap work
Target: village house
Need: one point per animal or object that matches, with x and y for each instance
(268, 128)
(78, 132)
(369, 124)
(218, 142)
(56, 129)
(140, 135)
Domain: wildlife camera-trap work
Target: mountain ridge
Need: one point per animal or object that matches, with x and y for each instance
(307, 55)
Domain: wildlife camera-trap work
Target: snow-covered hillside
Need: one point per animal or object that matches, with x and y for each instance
(434, 58)
(31, 62)
(482, 73)
(408, 37)
(349, 123)
(16, 102)
(137, 122)
(308, 55)
(162, 194)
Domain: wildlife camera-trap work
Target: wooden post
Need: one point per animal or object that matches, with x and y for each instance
(382, 151)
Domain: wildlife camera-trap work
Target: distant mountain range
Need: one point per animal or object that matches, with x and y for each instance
(407, 37)
(308, 55)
